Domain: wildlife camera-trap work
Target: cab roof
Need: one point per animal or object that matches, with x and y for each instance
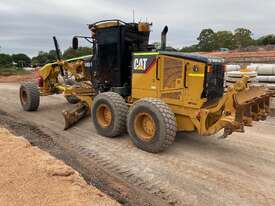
(195, 57)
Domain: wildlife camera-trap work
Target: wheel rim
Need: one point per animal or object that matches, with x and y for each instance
(23, 96)
(104, 115)
(144, 126)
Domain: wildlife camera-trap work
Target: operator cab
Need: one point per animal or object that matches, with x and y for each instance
(114, 41)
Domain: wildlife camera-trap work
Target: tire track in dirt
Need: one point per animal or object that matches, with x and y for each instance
(91, 170)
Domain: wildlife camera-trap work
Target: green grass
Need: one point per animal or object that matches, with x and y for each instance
(8, 71)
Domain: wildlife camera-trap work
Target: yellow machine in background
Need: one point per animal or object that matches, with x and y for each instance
(153, 94)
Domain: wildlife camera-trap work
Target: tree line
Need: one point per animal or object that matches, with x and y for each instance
(208, 40)
(23, 60)
(20, 60)
(47, 57)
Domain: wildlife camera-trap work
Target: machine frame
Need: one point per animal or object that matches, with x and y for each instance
(161, 93)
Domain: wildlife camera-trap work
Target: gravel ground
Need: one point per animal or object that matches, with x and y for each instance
(30, 176)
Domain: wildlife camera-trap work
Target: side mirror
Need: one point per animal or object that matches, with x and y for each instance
(75, 43)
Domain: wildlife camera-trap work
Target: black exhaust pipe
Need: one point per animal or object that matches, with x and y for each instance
(163, 38)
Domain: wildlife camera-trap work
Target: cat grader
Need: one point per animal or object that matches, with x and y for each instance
(128, 85)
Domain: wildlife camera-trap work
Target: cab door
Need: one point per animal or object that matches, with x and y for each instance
(194, 80)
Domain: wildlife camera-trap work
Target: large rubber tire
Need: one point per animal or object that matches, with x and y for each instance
(29, 96)
(72, 99)
(118, 109)
(164, 123)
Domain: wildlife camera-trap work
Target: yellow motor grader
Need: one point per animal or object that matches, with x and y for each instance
(128, 85)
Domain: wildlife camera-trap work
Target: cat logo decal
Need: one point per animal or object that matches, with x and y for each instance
(142, 64)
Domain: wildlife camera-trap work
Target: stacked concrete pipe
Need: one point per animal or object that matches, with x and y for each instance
(266, 74)
(234, 73)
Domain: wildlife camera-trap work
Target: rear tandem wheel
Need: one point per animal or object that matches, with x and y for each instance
(151, 125)
(29, 96)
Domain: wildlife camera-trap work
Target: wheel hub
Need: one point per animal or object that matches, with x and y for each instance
(144, 126)
(104, 115)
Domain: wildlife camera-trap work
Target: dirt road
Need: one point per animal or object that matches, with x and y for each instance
(30, 176)
(194, 171)
(17, 78)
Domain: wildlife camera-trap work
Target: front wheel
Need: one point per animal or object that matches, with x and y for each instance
(151, 125)
(109, 113)
(29, 96)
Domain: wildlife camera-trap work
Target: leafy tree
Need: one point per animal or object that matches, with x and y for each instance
(207, 40)
(225, 39)
(48, 57)
(44, 58)
(243, 37)
(192, 48)
(5, 60)
(41, 59)
(265, 40)
(72, 53)
(52, 57)
(21, 60)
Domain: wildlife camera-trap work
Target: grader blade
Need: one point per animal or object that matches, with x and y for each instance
(73, 115)
(252, 104)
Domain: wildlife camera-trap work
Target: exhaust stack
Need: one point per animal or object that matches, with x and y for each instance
(163, 38)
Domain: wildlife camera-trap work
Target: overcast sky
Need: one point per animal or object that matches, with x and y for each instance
(28, 25)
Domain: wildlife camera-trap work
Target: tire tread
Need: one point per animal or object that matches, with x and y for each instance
(34, 96)
(169, 121)
(121, 108)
